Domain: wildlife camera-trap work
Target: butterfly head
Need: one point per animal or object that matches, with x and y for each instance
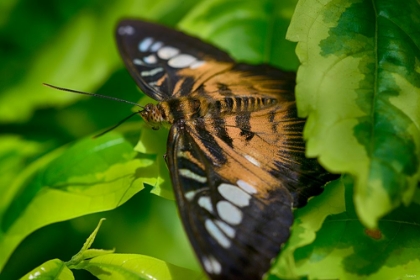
(153, 115)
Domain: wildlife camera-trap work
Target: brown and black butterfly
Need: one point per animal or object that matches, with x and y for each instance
(235, 150)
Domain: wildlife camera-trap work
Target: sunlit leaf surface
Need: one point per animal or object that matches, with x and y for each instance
(53, 269)
(126, 266)
(359, 86)
(93, 175)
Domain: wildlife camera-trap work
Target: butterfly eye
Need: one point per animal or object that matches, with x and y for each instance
(152, 115)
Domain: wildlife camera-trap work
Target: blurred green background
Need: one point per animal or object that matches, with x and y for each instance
(71, 44)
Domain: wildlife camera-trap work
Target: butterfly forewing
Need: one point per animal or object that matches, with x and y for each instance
(166, 63)
(235, 149)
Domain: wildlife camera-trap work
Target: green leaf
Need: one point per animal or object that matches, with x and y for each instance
(85, 252)
(154, 142)
(345, 249)
(308, 221)
(359, 86)
(52, 269)
(91, 176)
(259, 26)
(106, 265)
(130, 266)
(15, 152)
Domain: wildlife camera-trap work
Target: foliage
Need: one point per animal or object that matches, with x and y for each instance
(368, 124)
(106, 265)
(358, 84)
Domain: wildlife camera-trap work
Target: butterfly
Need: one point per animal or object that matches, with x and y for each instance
(235, 150)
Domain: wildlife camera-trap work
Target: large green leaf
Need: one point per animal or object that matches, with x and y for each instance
(308, 221)
(342, 248)
(359, 86)
(93, 175)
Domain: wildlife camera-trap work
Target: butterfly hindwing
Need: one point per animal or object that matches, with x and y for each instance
(271, 135)
(166, 63)
(235, 222)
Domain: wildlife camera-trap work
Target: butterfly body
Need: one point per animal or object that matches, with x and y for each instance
(235, 148)
(191, 108)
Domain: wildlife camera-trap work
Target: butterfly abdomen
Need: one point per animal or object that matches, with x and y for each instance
(190, 108)
(238, 104)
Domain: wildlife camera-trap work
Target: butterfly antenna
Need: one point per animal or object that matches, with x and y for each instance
(101, 96)
(115, 126)
(96, 95)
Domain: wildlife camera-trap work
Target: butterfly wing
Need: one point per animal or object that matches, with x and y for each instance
(166, 63)
(235, 215)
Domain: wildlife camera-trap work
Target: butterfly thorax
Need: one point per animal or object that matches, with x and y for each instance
(190, 108)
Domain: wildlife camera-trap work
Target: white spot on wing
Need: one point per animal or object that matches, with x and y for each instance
(183, 154)
(126, 30)
(156, 46)
(215, 232)
(229, 213)
(234, 194)
(190, 195)
(167, 52)
(252, 160)
(152, 72)
(138, 61)
(151, 59)
(181, 61)
(207, 265)
(227, 229)
(211, 265)
(191, 175)
(246, 187)
(145, 44)
(205, 202)
(197, 64)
